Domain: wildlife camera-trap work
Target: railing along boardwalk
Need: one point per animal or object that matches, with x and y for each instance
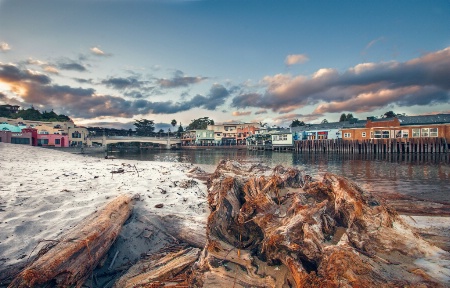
(378, 146)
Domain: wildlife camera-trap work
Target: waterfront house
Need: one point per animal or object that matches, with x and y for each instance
(282, 140)
(243, 133)
(188, 138)
(402, 127)
(232, 133)
(204, 137)
(322, 131)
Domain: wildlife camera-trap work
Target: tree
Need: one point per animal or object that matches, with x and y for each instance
(200, 123)
(144, 127)
(174, 123)
(29, 114)
(347, 117)
(324, 121)
(297, 123)
(180, 130)
(4, 112)
(390, 114)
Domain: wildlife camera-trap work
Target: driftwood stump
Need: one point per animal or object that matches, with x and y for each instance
(70, 260)
(282, 229)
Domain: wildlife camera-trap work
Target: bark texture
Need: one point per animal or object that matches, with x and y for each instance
(282, 229)
(163, 269)
(70, 260)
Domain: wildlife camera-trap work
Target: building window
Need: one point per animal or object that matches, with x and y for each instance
(377, 134)
(15, 140)
(76, 134)
(347, 135)
(363, 134)
(416, 132)
(42, 142)
(425, 132)
(385, 134)
(58, 141)
(405, 133)
(433, 132)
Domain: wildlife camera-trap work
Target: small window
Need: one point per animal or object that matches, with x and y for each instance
(385, 134)
(377, 134)
(405, 134)
(415, 132)
(57, 141)
(347, 135)
(425, 132)
(433, 132)
(363, 134)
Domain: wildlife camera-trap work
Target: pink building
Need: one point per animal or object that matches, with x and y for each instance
(56, 140)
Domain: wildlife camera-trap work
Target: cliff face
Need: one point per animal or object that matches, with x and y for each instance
(280, 228)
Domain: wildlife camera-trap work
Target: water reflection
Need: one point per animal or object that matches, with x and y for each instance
(425, 176)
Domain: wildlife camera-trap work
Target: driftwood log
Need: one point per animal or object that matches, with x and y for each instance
(285, 230)
(167, 267)
(70, 260)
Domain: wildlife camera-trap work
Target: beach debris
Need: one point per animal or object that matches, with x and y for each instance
(119, 170)
(189, 231)
(71, 260)
(170, 266)
(285, 229)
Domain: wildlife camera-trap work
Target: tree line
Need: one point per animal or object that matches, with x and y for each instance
(33, 114)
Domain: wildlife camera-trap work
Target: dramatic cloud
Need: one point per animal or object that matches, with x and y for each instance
(179, 80)
(36, 89)
(364, 87)
(4, 47)
(295, 59)
(243, 113)
(12, 74)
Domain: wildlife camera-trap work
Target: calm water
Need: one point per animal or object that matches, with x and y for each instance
(424, 176)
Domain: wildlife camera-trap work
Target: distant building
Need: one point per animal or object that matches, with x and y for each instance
(11, 108)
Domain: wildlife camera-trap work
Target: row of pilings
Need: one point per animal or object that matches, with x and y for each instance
(396, 145)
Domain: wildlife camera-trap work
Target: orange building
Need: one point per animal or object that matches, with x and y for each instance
(425, 126)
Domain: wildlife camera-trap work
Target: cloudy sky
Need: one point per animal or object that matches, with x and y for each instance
(108, 62)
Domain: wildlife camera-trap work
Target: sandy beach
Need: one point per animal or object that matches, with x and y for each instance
(44, 193)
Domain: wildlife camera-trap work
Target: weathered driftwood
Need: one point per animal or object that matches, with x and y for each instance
(285, 230)
(187, 230)
(160, 269)
(70, 260)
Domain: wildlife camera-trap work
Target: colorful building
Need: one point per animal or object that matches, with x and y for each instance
(402, 127)
(25, 138)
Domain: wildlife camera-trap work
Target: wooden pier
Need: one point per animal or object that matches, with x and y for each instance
(376, 146)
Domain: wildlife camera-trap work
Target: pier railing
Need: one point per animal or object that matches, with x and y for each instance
(395, 145)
